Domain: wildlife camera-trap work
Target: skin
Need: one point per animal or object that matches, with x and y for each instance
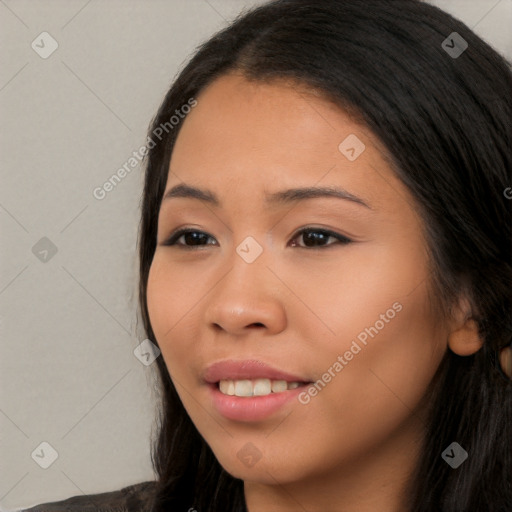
(354, 445)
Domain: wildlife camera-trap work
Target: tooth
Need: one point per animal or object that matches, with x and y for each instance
(261, 387)
(223, 386)
(256, 387)
(243, 388)
(278, 386)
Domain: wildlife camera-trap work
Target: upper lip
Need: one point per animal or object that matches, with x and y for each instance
(246, 369)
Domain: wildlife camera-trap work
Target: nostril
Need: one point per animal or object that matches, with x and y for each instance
(256, 324)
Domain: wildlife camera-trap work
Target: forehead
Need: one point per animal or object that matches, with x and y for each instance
(269, 115)
(252, 136)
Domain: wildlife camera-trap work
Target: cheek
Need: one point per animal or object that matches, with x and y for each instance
(389, 338)
(158, 300)
(411, 352)
(168, 301)
(392, 369)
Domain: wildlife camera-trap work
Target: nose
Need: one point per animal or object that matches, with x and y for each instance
(247, 297)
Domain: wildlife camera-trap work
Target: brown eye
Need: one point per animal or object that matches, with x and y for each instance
(316, 237)
(192, 237)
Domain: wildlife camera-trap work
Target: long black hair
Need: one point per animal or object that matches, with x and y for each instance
(444, 117)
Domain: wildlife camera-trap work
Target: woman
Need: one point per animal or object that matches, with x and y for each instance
(368, 373)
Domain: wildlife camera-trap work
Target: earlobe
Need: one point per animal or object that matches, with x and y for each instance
(506, 361)
(465, 340)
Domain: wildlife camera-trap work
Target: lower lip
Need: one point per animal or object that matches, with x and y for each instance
(251, 408)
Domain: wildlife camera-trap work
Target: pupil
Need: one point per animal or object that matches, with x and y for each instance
(313, 236)
(193, 237)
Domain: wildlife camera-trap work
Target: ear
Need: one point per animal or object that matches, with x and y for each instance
(464, 338)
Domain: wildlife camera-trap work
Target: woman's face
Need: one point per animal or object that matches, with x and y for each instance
(350, 317)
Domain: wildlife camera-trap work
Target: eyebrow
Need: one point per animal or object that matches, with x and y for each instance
(277, 198)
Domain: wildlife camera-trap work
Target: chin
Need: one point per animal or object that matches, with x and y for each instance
(280, 470)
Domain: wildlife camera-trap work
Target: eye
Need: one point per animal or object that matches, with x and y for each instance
(313, 238)
(189, 235)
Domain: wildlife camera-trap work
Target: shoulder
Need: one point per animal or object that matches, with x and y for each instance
(133, 498)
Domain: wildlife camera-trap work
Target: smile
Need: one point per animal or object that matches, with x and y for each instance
(250, 390)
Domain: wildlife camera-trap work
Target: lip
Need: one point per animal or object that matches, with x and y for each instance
(246, 369)
(250, 408)
(254, 408)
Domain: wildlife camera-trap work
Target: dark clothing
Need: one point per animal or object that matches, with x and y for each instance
(134, 498)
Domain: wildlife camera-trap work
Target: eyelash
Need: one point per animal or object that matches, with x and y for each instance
(343, 240)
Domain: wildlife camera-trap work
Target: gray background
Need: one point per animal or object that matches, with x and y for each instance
(68, 374)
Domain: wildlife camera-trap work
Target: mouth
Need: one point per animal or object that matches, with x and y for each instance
(250, 390)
